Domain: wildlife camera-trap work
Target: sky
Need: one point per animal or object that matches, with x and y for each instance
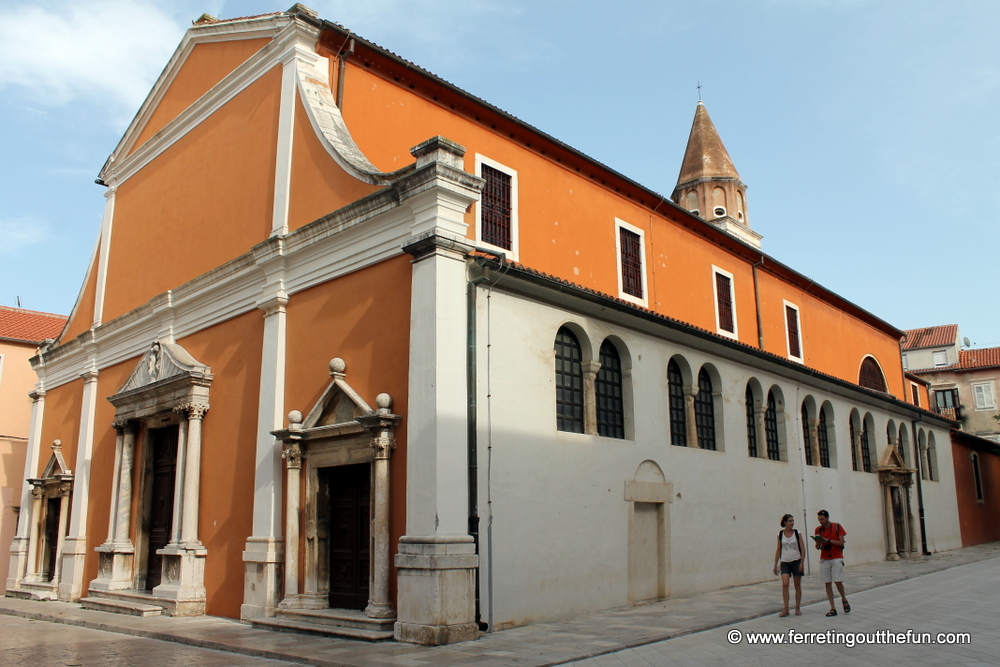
(868, 131)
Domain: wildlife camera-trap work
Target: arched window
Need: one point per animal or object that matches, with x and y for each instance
(806, 440)
(751, 423)
(771, 428)
(871, 376)
(866, 455)
(704, 411)
(569, 382)
(978, 474)
(854, 445)
(678, 421)
(824, 440)
(608, 391)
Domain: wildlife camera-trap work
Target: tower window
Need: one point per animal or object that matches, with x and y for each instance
(719, 211)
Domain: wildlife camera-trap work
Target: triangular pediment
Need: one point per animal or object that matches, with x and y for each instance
(891, 459)
(164, 361)
(56, 464)
(339, 404)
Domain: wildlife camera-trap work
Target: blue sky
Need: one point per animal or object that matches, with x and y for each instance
(867, 130)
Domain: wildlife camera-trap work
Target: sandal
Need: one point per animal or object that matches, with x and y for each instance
(847, 607)
(783, 614)
(798, 613)
(832, 612)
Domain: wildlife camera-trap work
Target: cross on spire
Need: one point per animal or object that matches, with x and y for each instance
(699, 90)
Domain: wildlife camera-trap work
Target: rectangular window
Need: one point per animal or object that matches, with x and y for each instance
(496, 214)
(631, 261)
(906, 365)
(915, 392)
(793, 332)
(940, 358)
(725, 310)
(984, 397)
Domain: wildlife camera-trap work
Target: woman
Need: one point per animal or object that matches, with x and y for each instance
(789, 556)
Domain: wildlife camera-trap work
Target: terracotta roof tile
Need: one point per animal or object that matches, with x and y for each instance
(945, 334)
(29, 326)
(985, 357)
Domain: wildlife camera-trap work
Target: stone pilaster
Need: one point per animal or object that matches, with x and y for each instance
(19, 545)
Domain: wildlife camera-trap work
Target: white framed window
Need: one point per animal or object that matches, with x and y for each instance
(793, 332)
(984, 396)
(496, 213)
(630, 251)
(725, 303)
(906, 366)
(940, 357)
(915, 393)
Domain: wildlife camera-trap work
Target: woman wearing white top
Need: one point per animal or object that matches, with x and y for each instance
(789, 556)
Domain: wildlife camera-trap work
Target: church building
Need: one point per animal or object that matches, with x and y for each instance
(360, 353)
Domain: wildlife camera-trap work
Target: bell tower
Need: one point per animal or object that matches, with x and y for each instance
(709, 185)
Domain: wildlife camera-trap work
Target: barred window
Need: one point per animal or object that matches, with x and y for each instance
(771, 428)
(871, 375)
(569, 382)
(704, 411)
(678, 419)
(496, 208)
(751, 423)
(854, 453)
(866, 455)
(724, 296)
(807, 443)
(608, 391)
(631, 261)
(824, 440)
(792, 324)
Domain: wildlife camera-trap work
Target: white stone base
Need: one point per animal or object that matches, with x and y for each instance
(183, 579)
(263, 561)
(18, 562)
(436, 590)
(73, 561)
(115, 567)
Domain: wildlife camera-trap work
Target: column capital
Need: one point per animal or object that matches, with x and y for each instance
(591, 367)
(293, 456)
(37, 395)
(192, 411)
(123, 426)
(37, 489)
(273, 304)
(65, 489)
(431, 243)
(90, 375)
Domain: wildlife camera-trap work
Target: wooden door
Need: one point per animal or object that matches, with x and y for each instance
(51, 538)
(350, 522)
(164, 453)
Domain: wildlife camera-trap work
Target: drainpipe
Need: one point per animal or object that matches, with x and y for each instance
(920, 488)
(342, 60)
(756, 298)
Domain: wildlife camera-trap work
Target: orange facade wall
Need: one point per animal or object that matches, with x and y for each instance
(61, 421)
(205, 66)
(567, 228)
(83, 312)
(978, 519)
(208, 198)
(319, 185)
(229, 444)
(363, 318)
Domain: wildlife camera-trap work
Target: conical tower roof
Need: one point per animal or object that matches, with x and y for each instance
(706, 156)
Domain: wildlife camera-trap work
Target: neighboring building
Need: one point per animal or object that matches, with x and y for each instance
(21, 331)
(977, 487)
(361, 374)
(931, 347)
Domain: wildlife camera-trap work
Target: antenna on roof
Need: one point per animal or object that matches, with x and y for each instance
(965, 342)
(19, 303)
(699, 90)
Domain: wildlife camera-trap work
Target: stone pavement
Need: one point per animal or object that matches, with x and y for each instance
(536, 645)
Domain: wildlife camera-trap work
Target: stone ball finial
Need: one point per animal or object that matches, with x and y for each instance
(383, 401)
(337, 365)
(56, 444)
(294, 417)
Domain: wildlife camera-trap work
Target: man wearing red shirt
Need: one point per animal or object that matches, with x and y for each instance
(830, 541)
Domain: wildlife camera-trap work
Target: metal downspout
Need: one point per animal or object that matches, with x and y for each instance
(920, 488)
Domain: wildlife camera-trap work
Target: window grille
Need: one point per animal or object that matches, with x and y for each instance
(751, 423)
(724, 296)
(631, 260)
(854, 453)
(704, 411)
(806, 442)
(824, 440)
(678, 419)
(608, 391)
(866, 455)
(794, 345)
(871, 375)
(496, 208)
(569, 382)
(771, 428)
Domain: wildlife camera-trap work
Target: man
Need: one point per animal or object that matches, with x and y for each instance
(829, 540)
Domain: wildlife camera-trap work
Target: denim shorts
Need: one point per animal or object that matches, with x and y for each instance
(791, 568)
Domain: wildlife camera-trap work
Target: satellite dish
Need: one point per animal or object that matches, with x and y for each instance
(965, 342)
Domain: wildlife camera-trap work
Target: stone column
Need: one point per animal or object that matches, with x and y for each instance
(759, 413)
(590, 370)
(181, 471)
(37, 494)
(293, 463)
(192, 476)
(690, 417)
(19, 545)
(65, 488)
(119, 428)
(381, 425)
(116, 556)
(890, 523)
(923, 460)
(123, 515)
(814, 441)
(910, 523)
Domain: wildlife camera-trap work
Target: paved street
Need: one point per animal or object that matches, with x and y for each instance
(42, 644)
(963, 599)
